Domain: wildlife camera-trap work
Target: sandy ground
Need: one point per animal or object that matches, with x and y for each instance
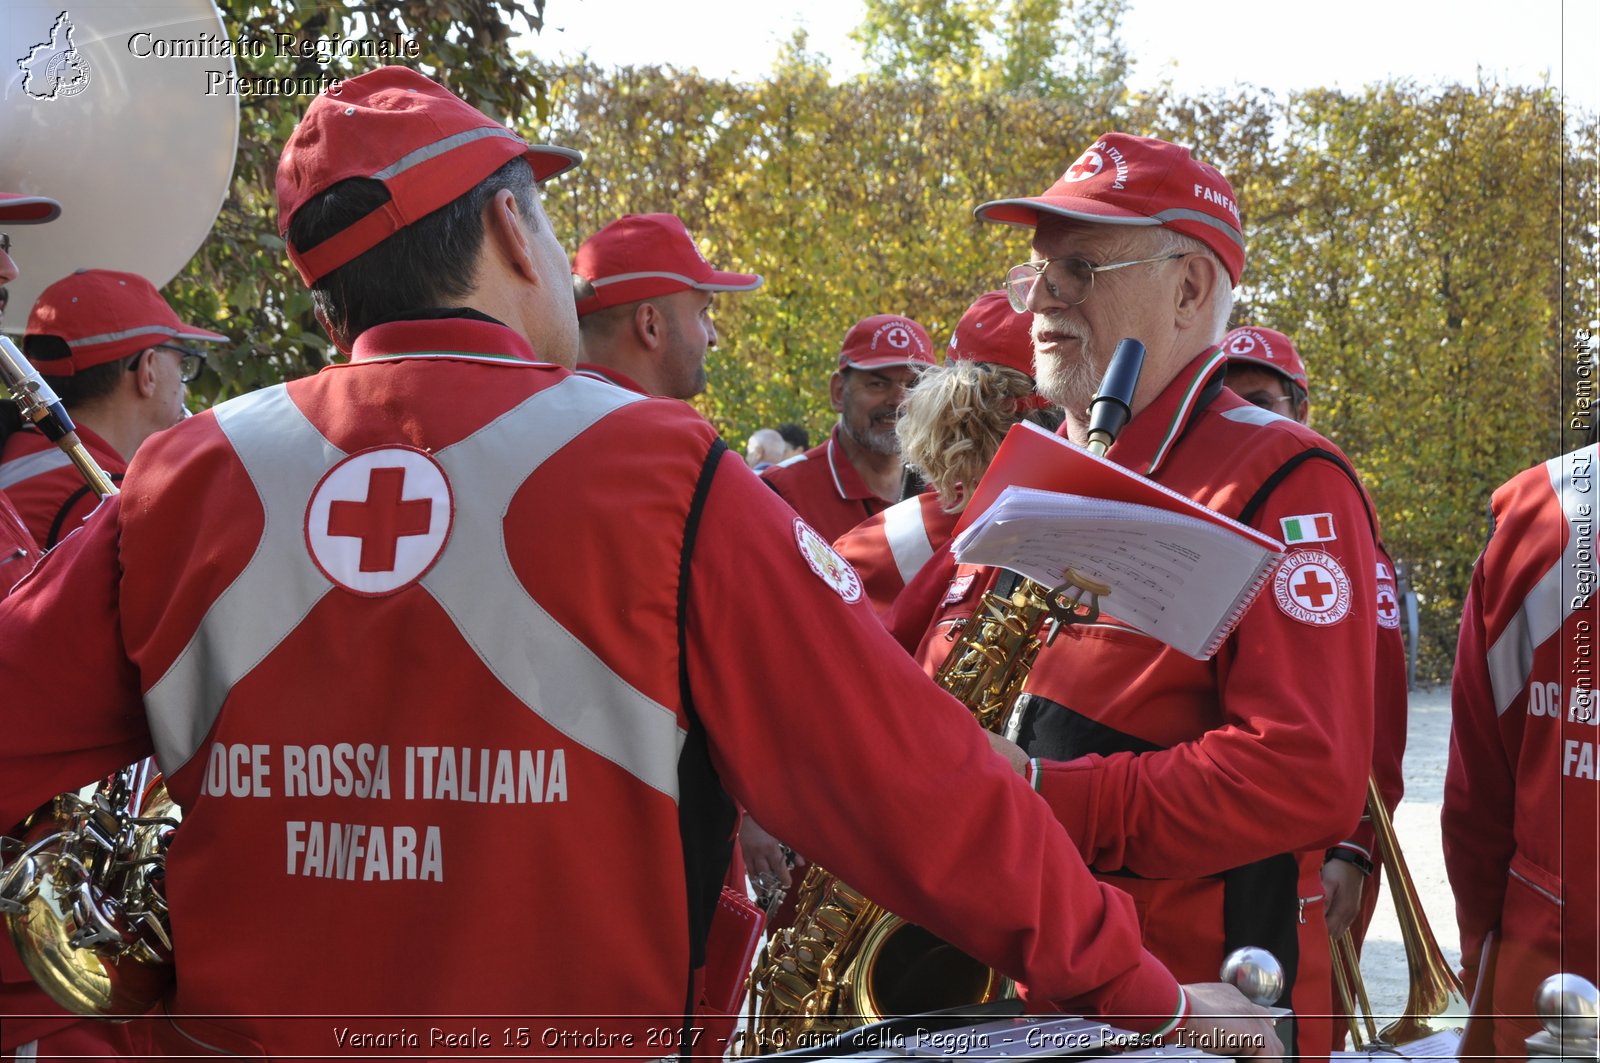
(1383, 962)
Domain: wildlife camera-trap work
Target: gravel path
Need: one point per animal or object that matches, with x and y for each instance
(1383, 962)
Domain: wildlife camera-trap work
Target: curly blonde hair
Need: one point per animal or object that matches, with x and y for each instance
(953, 420)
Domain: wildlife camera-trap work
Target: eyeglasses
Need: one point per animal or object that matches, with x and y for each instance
(190, 365)
(5, 243)
(1266, 401)
(1072, 280)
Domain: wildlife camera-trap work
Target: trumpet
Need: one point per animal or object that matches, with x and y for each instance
(1435, 999)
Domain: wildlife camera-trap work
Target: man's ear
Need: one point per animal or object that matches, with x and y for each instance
(505, 237)
(1200, 278)
(649, 327)
(144, 373)
(836, 391)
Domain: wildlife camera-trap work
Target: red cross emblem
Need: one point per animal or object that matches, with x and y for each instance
(1311, 586)
(1312, 589)
(1388, 607)
(379, 519)
(382, 520)
(1086, 167)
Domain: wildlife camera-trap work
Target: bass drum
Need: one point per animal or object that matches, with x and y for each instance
(136, 143)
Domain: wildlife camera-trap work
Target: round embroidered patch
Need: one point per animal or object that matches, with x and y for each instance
(1311, 587)
(1388, 606)
(379, 519)
(825, 561)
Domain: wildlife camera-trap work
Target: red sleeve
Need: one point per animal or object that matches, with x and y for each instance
(840, 746)
(1479, 790)
(866, 547)
(1286, 768)
(1389, 736)
(73, 711)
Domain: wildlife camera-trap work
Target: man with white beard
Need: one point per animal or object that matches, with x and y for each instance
(856, 472)
(1207, 789)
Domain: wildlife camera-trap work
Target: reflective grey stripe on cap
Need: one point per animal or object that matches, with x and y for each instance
(1183, 214)
(143, 330)
(704, 286)
(538, 661)
(440, 147)
(908, 537)
(26, 468)
(1549, 603)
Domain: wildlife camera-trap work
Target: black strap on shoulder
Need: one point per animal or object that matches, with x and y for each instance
(706, 814)
(58, 524)
(1259, 499)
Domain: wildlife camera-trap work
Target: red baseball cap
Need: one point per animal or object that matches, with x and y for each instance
(19, 209)
(426, 144)
(990, 331)
(102, 315)
(639, 256)
(885, 340)
(1263, 346)
(1129, 180)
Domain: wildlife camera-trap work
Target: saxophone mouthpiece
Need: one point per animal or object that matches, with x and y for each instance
(1112, 405)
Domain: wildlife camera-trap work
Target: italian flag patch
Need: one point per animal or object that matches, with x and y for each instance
(1310, 528)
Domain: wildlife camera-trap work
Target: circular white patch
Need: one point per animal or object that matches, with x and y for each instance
(1089, 164)
(379, 519)
(1388, 607)
(897, 337)
(1311, 587)
(1243, 343)
(825, 561)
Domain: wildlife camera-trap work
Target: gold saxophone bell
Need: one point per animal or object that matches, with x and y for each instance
(1435, 999)
(83, 899)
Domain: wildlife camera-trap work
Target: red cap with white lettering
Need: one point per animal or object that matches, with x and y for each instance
(1266, 347)
(1129, 180)
(885, 340)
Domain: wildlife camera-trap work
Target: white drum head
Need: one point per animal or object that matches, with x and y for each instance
(130, 143)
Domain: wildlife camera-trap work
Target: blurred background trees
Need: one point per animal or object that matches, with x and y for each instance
(1432, 249)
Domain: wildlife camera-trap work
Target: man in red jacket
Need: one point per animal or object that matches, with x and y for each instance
(1520, 794)
(857, 472)
(121, 360)
(644, 305)
(413, 636)
(1265, 369)
(1209, 789)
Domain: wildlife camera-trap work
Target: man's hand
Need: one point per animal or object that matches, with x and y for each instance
(765, 859)
(1341, 887)
(1223, 1022)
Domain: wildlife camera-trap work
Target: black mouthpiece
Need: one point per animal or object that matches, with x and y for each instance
(1112, 405)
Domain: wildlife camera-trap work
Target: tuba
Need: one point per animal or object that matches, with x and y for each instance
(846, 961)
(99, 93)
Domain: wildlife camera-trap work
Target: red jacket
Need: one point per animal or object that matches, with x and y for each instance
(888, 549)
(47, 488)
(1206, 766)
(18, 550)
(824, 488)
(1519, 819)
(434, 685)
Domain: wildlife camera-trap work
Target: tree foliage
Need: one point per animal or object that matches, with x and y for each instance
(1432, 249)
(241, 278)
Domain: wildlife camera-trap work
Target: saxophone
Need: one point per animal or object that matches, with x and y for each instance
(846, 961)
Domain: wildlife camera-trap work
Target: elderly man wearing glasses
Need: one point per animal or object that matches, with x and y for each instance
(119, 358)
(1207, 789)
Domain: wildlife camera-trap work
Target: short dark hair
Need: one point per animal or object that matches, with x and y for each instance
(86, 385)
(420, 266)
(795, 436)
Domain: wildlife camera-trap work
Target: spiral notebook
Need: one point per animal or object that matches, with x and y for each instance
(1179, 572)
